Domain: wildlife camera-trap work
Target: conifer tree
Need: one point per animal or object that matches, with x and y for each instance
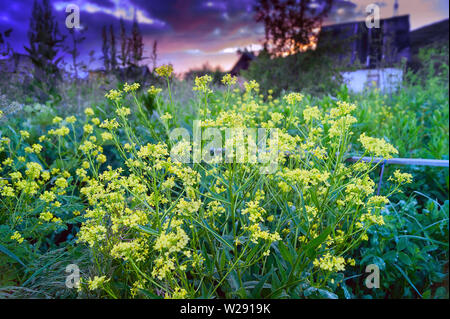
(136, 43)
(105, 50)
(113, 56)
(45, 43)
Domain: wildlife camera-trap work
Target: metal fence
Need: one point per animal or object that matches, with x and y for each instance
(398, 161)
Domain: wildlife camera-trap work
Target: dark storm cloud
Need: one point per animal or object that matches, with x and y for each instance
(200, 18)
(103, 3)
(189, 31)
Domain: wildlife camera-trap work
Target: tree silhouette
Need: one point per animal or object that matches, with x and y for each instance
(45, 43)
(5, 47)
(113, 48)
(124, 45)
(106, 50)
(136, 43)
(154, 55)
(291, 25)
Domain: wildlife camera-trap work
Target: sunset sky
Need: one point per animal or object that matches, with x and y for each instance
(193, 32)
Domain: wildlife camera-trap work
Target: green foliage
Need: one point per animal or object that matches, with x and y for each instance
(220, 258)
(216, 74)
(412, 250)
(314, 72)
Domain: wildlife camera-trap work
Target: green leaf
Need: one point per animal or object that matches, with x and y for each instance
(402, 244)
(285, 252)
(148, 230)
(257, 291)
(404, 258)
(150, 294)
(218, 237)
(7, 252)
(407, 279)
(313, 244)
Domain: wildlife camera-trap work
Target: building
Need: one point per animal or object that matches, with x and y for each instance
(435, 34)
(373, 55)
(243, 63)
(373, 47)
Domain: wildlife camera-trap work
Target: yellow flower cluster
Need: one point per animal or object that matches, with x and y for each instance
(330, 263)
(202, 84)
(377, 147)
(131, 88)
(18, 237)
(229, 80)
(401, 178)
(164, 70)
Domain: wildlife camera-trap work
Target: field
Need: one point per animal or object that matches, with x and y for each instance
(198, 190)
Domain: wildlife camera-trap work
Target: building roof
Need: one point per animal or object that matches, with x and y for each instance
(388, 44)
(435, 33)
(243, 63)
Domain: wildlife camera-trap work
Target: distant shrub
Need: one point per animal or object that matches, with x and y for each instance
(314, 72)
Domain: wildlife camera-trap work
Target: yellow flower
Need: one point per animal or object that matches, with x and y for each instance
(401, 178)
(311, 113)
(88, 128)
(166, 116)
(229, 80)
(56, 120)
(131, 88)
(46, 216)
(376, 146)
(89, 112)
(48, 196)
(153, 91)
(123, 111)
(62, 131)
(164, 70)
(178, 293)
(106, 136)
(24, 134)
(252, 85)
(95, 121)
(61, 182)
(71, 119)
(101, 158)
(33, 170)
(18, 237)
(114, 95)
(97, 282)
(330, 263)
(202, 84)
(293, 98)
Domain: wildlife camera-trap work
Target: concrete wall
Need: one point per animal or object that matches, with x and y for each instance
(386, 79)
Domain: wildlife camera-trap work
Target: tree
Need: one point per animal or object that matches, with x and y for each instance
(136, 43)
(113, 48)
(45, 42)
(105, 50)
(5, 47)
(154, 55)
(124, 45)
(291, 25)
(74, 51)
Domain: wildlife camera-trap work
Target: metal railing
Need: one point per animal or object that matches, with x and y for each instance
(398, 161)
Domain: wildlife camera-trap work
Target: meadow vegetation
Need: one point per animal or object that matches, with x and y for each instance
(92, 179)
